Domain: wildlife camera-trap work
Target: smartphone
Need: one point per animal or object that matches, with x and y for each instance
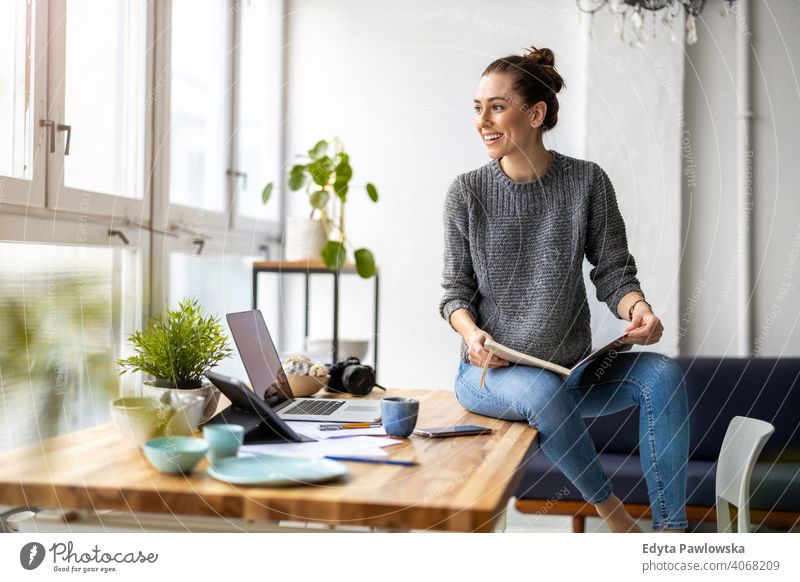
(450, 431)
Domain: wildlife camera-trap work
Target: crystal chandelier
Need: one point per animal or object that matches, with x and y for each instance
(634, 11)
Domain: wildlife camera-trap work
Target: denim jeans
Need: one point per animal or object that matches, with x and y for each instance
(556, 408)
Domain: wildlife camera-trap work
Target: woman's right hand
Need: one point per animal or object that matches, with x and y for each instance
(477, 353)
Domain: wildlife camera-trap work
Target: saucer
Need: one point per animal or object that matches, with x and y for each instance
(275, 471)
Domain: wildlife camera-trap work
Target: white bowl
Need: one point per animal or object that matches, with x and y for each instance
(347, 347)
(306, 385)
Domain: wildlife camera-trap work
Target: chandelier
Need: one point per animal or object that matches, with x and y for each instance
(633, 11)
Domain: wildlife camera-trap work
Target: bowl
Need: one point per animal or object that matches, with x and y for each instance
(175, 454)
(347, 347)
(306, 385)
(139, 419)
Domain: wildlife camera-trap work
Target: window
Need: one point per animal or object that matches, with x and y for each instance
(63, 313)
(118, 165)
(199, 89)
(104, 92)
(22, 103)
(15, 90)
(259, 119)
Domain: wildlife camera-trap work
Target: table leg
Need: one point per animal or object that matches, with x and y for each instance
(375, 336)
(335, 316)
(308, 310)
(255, 289)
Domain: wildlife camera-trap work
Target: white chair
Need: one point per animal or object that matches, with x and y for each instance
(741, 446)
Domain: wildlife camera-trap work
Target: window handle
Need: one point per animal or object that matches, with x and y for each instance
(51, 126)
(68, 129)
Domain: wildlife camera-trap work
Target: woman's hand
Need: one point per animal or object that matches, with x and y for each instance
(478, 354)
(645, 327)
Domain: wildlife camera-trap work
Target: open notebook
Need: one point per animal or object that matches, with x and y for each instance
(497, 349)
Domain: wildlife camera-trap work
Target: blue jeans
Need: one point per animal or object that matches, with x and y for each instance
(556, 409)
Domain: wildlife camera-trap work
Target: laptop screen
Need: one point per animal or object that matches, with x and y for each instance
(259, 356)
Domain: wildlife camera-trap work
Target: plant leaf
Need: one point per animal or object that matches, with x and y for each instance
(266, 193)
(320, 170)
(339, 159)
(297, 178)
(319, 199)
(319, 149)
(334, 254)
(365, 263)
(372, 192)
(179, 346)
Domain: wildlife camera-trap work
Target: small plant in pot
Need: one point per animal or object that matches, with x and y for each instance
(325, 174)
(175, 350)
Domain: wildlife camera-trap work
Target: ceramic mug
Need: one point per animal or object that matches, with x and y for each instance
(224, 440)
(140, 419)
(399, 415)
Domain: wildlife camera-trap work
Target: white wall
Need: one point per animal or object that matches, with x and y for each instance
(710, 266)
(633, 131)
(395, 81)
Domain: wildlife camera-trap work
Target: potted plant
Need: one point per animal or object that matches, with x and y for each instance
(175, 350)
(324, 173)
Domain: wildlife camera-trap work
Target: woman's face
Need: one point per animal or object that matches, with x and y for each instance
(504, 124)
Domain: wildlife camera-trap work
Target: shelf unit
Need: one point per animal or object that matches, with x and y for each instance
(308, 268)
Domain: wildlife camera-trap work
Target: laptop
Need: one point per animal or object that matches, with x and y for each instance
(264, 368)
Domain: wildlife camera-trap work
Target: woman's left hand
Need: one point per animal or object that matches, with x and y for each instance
(645, 327)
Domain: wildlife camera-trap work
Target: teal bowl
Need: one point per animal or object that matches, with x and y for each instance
(175, 454)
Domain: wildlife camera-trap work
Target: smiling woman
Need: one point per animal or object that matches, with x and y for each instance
(516, 232)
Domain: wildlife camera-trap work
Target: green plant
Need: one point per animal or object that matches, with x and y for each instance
(326, 180)
(179, 346)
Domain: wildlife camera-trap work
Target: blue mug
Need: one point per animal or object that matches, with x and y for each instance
(399, 415)
(223, 440)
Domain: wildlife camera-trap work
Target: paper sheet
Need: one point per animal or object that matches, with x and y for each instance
(312, 430)
(358, 446)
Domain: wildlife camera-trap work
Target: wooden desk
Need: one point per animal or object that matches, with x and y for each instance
(462, 484)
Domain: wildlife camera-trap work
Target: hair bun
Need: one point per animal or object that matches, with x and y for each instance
(543, 56)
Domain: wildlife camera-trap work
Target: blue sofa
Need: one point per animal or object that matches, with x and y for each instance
(718, 389)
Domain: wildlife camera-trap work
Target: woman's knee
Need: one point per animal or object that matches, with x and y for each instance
(546, 400)
(665, 378)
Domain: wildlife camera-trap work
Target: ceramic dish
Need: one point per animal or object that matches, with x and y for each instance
(175, 454)
(276, 471)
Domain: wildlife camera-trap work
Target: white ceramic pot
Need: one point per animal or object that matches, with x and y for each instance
(304, 239)
(208, 391)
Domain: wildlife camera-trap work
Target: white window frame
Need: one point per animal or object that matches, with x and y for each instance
(221, 232)
(42, 210)
(21, 191)
(59, 196)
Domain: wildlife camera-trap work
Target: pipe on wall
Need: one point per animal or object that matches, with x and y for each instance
(744, 177)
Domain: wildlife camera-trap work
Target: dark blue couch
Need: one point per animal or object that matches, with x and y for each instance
(718, 389)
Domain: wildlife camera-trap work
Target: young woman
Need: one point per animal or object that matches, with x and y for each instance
(516, 231)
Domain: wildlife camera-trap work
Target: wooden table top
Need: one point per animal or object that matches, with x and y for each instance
(461, 484)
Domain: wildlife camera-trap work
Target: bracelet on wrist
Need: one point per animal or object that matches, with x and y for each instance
(630, 311)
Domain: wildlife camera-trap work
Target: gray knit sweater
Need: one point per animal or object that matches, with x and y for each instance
(513, 255)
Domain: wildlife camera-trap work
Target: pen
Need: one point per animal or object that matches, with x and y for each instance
(366, 460)
(349, 425)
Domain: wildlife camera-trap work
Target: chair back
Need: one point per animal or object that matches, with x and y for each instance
(743, 442)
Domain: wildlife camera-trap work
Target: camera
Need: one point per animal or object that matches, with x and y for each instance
(350, 376)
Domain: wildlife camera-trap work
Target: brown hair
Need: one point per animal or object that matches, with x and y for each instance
(535, 79)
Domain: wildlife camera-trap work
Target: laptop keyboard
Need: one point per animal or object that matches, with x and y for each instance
(320, 407)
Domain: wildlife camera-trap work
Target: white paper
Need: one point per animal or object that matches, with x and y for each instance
(358, 446)
(312, 430)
